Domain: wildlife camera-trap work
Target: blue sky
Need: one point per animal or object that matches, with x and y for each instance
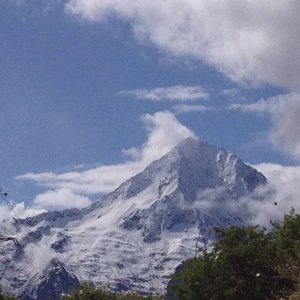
(76, 76)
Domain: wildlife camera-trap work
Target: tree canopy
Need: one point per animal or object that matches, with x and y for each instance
(245, 263)
(88, 291)
(6, 297)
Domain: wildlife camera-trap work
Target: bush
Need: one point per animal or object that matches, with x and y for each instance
(88, 291)
(288, 238)
(6, 297)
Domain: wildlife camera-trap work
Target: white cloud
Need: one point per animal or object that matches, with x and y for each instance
(279, 196)
(285, 115)
(269, 105)
(248, 40)
(62, 198)
(185, 108)
(279, 174)
(39, 255)
(233, 92)
(10, 209)
(8, 213)
(102, 179)
(164, 132)
(6, 221)
(23, 212)
(266, 203)
(178, 93)
(285, 133)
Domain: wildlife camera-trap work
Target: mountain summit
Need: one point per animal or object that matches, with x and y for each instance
(192, 166)
(134, 237)
(168, 194)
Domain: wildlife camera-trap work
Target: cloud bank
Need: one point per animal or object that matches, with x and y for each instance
(248, 41)
(61, 198)
(278, 197)
(266, 203)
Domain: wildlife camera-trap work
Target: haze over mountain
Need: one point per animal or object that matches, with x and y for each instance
(134, 237)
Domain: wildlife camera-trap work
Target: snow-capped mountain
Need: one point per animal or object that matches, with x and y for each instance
(133, 238)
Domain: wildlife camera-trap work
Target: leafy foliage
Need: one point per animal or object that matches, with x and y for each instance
(88, 291)
(288, 238)
(246, 263)
(6, 297)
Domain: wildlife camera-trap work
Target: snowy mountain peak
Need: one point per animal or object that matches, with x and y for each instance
(134, 237)
(206, 166)
(192, 167)
(172, 190)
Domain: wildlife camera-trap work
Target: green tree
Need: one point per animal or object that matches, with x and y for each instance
(287, 237)
(88, 291)
(6, 297)
(243, 265)
(246, 264)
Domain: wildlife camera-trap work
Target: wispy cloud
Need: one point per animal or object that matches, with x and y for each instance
(185, 108)
(21, 211)
(284, 111)
(179, 93)
(66, 190)
(268, 105)
(232, 92)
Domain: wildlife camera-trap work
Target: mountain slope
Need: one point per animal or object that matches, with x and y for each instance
(52, 283)
(134, 237)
